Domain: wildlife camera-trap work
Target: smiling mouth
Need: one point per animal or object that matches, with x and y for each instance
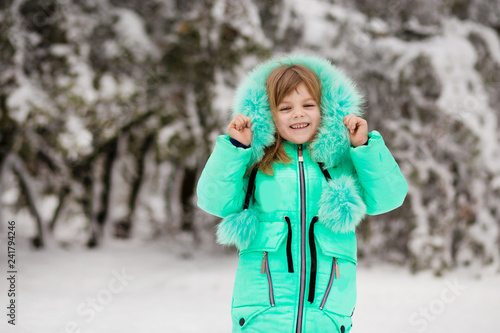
(299, 126)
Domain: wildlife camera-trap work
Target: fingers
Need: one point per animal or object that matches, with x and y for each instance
(239, 122)
(352, 122)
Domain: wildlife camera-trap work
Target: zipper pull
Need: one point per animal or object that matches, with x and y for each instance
(301, 158)
(337, 273)
(263, 266)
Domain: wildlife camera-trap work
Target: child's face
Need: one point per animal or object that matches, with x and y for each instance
(298, 116)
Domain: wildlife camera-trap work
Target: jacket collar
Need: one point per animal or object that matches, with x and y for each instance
(339, 98)
(305, 145)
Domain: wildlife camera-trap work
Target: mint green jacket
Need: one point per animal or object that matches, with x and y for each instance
(297, 241)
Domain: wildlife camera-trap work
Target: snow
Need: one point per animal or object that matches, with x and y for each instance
(9, 196)
(23, 100)
(465, 99)
(167, 132)
(326, 25)
(137, 287)
(221, 102)
(77, 139)
(132, 32)
(463, 95)
(392, 300)
(173, 291)
(84, 75)
(108, 86)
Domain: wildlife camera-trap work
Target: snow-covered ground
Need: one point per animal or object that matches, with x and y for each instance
(126, 287)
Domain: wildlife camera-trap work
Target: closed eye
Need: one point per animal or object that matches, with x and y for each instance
(286, 108)
(309, 105)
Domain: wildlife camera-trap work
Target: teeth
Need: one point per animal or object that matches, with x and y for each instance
(300, 126)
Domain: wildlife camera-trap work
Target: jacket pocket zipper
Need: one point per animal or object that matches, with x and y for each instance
(289, 245)
(314, 261)
(264, 269)
(334, 274)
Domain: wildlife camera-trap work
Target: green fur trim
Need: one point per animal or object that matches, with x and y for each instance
(238, 229)
(339, 98)
(341, 206)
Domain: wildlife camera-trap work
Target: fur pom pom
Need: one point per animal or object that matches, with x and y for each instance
(238, 229)
(341, 206)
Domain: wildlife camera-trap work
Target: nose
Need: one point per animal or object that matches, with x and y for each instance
(298, 113)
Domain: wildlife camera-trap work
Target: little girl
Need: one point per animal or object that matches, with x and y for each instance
(292, 180)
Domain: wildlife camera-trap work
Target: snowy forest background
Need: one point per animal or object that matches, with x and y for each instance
(109, 110)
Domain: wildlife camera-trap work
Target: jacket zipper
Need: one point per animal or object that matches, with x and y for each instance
(265, 269)
(289, 245)
(334, 274)
(302, 240)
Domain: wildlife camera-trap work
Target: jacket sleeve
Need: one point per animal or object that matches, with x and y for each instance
(222, 186)
(383, 185)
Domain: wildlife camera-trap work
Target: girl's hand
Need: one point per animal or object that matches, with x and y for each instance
(358, 130)
(239, 129)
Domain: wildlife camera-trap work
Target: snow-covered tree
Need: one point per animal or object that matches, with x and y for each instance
(111, 108)
(108, 110)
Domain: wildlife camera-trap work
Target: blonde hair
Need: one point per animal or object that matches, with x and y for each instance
(282, 81)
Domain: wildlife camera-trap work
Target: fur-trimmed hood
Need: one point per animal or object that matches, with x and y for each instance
(339, 98)
(341, 206)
